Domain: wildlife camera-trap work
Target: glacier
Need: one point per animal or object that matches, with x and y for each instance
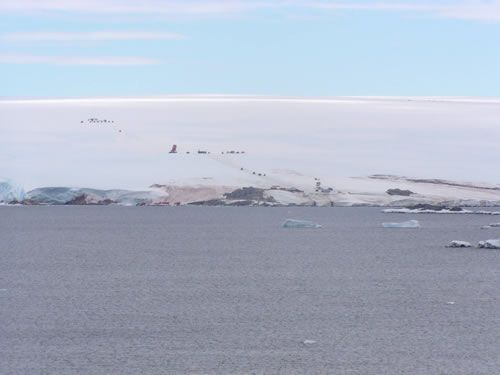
(133, 152)
(85, 196)
(10, 192)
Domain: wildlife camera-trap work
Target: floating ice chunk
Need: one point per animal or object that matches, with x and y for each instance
(489, 226)
(426, 211)
(441, 211)
(459, 244)
(292, 223)
(404, 224)
(309, 342)
(489, 244)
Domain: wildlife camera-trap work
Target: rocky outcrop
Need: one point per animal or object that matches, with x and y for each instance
(433, 207)
(85, 200)
(403, 193)
(210, 202)
(246, 193)
(79, 200)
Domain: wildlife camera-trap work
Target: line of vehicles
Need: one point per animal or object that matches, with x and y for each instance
(174, 150)
(95, 120)
(318, 187)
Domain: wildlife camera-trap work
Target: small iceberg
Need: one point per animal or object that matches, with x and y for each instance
(404, 224)
(309, 342)
(292, 223)
(438, 211)
(489, 244)
(459, 244)
(489, 226)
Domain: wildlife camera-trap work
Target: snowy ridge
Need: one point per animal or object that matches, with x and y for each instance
(298, 151)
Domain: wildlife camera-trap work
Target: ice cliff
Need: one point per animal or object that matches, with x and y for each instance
(403, 195)
(10, 192)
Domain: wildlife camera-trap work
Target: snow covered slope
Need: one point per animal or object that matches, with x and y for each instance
(312, 145)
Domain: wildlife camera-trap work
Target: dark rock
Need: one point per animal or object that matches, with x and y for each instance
(241, 203)
(433, 207)
(211, 202)
(106, 202)
(246, 193)
(82, 200)
(291, 190)
(79, 200)
(29, 202)
(404, 193)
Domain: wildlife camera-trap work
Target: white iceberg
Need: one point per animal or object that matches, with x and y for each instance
(489, 244)
(443, 211)
(459, 244)
(404, 224)
(489, 226)
(293, 223)
(424, 211)
(10, 192)
(309, 342)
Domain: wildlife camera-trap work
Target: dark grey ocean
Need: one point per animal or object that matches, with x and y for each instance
(207, 290)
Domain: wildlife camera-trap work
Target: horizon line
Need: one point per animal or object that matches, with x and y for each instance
(248, 98)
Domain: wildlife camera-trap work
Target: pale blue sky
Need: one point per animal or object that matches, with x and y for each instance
(60, 48)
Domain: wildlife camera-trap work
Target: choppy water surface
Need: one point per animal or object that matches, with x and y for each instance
(157, 290)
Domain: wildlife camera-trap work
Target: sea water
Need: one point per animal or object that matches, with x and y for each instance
(227, 290)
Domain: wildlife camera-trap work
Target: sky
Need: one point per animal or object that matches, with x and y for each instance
(310, 48)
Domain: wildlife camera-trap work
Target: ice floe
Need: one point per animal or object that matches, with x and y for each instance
(444, 211)
(459, 244)
(404, 224)
(309, 342)
(293, 223)
(489, 226)
(489, 244)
